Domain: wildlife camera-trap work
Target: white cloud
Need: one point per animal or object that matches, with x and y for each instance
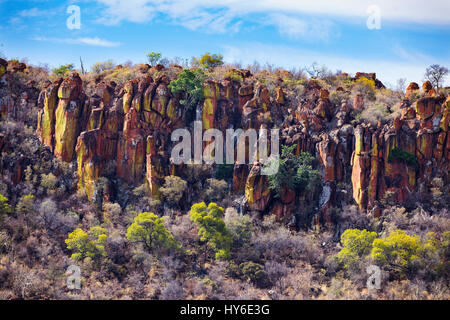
(97, 42)
(204, 12)
(35, 12)
(301, 28)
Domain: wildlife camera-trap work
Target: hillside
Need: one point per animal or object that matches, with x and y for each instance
(363, 180)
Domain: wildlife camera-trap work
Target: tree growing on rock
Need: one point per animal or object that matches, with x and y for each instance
(436, 74)
(295, 172)
(189, 86)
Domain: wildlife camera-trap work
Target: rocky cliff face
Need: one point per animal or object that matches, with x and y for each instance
(128, 130)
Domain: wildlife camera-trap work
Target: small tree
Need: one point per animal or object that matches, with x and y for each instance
(61, 71)
(436, 74)
(190, 86)
(366, 87)
(154, 58)
(100, 67)
(149, 230)
(210, 60)
(357, 244)
(212, 228)
(88, 245)
(173, 189)
(5, 208)
(398, 251)
(25, 205)
(215, 189)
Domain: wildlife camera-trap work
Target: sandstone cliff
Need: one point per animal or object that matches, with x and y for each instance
(129, 129)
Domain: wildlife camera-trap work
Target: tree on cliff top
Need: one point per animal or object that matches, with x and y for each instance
(190, 86)
(209, 61)
(61, 71)
(154, 58)
(436, 74)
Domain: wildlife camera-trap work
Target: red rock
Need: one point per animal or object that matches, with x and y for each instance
(358, 102)
(257, 191)
(410, 90)
(427, 88)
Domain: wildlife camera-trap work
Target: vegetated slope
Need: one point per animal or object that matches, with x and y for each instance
(104, 157)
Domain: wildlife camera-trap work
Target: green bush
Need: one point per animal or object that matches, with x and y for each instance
(295, 172)
(149, 230)
(357, 244)
(173, 189)
(5, 208)
(215, 189)
(210, 61)
(408, 157)
(224, 171)
(100, 67)
(254, 272)
(87, 245)
(189, 86)
(398, 252)
(62, 71)
(212, 228)
(25, 205)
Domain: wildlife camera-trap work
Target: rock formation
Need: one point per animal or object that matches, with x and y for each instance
(128, 129)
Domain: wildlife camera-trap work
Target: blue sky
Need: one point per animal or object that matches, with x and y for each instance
(288, 33)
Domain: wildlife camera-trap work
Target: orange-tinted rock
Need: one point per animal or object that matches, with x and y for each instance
(7, 107)
(410, 90)
(16, 66)
(327, 152)
(408, 113)
(427, 88)
(397, 124)
(426, 107)
(240, 174)
(281, 99)
(67, 115)
(131, 150)
(211, 93)
(257, 190)
(358, 102)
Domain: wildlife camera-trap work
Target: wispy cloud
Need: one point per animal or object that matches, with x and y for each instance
(97, 42)
(221, 16)
(294, 27)
(199, 13)
(35, 12)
